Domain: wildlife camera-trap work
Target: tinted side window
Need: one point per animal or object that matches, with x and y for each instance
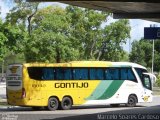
(35, 73)
(112, 74)
(96, 74)
(51, 73)
(80, 74)
(131, 75)
(127, 74)
(124, 74)
(48, 73)
(140, 72)
(67, 74)
(41, 73)
(63, 74)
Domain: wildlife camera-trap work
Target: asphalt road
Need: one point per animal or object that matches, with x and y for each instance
(143, 111)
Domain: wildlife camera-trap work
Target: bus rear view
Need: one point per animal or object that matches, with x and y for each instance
(14, 90)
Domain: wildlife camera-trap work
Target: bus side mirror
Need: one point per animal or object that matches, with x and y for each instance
(153, 78)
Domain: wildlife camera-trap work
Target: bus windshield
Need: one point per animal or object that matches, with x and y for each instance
(145, 78)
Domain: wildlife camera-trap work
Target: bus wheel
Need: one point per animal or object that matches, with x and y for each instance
(53, 103)
(132, 100)
(114, 105)
(66, 103)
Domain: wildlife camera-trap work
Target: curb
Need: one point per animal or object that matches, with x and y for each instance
(156, 95)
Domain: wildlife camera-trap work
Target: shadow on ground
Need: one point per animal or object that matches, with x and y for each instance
(143, 113)
(139, 112)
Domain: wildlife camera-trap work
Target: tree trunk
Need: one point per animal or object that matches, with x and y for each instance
(92, 48)
(58, 58)
(30, 18)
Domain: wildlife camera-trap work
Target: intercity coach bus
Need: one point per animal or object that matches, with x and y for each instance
(63, 85)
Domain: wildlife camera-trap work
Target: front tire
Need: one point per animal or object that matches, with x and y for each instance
(132, 100)
(53, 103)
(66, 103)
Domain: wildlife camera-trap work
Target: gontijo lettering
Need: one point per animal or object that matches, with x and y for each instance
(71, 85)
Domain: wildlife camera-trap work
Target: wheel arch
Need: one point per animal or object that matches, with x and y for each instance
(55, 97)
(69, 97)
(133, 94)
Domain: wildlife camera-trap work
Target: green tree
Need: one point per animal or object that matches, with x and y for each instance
(50, 41)
(22, 15)
(115, 35)
(158, 80)
(86, 30)
(95, 42)
(16, 38)
(141, 52)
(3, 40)
(54, 34)
(17, 28)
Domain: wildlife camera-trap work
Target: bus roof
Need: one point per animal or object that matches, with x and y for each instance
(128, 64)
(86, 64)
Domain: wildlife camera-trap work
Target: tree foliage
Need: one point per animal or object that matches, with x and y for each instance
(55, 34)
(51, 37)
(142, 53)
(115, 35)
(139, 51)
(22, 15)
(3, 40)
(94, 41)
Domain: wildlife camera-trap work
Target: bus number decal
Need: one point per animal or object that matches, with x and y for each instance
(38, 85)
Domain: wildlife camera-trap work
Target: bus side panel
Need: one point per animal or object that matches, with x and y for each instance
(32, 91)
(118, 96)
(78, 90)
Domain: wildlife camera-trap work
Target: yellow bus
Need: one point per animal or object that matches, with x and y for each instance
(63, 85)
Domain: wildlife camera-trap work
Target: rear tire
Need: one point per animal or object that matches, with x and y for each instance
(66, 103)
(53, 103)
(132, 100)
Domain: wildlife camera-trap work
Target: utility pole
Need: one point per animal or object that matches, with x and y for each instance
(153, 25)
(129, 45)
(153, 57)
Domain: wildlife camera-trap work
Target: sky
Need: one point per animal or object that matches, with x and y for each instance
(137, 31)
(137, 25)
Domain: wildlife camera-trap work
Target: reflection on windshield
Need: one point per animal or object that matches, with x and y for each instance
(146, 81)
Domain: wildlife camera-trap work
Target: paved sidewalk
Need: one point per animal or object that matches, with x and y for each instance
(3, 94)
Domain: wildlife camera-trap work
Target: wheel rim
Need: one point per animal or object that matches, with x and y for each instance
(131, 101)
(66, 103)
(53, 104)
